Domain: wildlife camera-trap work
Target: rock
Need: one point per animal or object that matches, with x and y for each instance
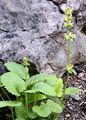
(35, 29)
(76, 97)
(62, 7)
(61, 117)
(59, 1)
(82, 76)
(75, 5)
(68, 115)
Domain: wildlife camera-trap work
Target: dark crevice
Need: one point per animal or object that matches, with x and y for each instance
(4, 30)
(33, 69)
(84, 29)
(24, 30)
(62, 12)
(57, 4)
(2, 67)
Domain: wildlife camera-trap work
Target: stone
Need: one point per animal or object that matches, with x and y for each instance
(34, 29)
(76, 97)
(59, 1)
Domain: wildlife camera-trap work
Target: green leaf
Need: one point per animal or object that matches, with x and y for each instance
(24, 114)
(72, 90)
(9, 104)
(42, 110)
(57, 100)
(13, 83)
(44, 88)
(30, 91)
(1, 86)
(74, 72)
(32, 114)
(21, 112)
(17, 68)
(41, 78)
(20, 119)
(59, 87)
(54, 107)
(52, 82)
(34, 97)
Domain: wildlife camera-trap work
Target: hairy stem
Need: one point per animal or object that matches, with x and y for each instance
(68, 53)
(26, 102)
(12, 114)
(1, 97)
(68, 62)
(55, 116)
(5, 93)
(11, 109)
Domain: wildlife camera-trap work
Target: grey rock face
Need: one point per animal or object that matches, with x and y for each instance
(34, 28)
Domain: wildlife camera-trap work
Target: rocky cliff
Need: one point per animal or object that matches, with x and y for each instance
(34, 28)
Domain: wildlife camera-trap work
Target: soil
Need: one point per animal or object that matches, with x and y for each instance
(75, 106)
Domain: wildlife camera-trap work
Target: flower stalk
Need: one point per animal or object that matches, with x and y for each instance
(69, 36)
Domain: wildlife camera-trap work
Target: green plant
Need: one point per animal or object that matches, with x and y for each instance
(37, 97)
(34, 95)
(40, 97)
(69, 36)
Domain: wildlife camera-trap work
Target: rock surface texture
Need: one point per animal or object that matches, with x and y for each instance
(34, 28)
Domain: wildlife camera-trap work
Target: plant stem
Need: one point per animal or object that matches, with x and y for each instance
(12, 114)
(55, 116)
(26, 88)
(26, 100)
(68, 63)
(68, 52)
(5, 93)
(1, 97)
(58, 116)
(17, 98)
(9, 107)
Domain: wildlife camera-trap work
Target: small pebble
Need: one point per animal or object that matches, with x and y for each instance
(71, 108)
(80, 75)
(68, 115)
